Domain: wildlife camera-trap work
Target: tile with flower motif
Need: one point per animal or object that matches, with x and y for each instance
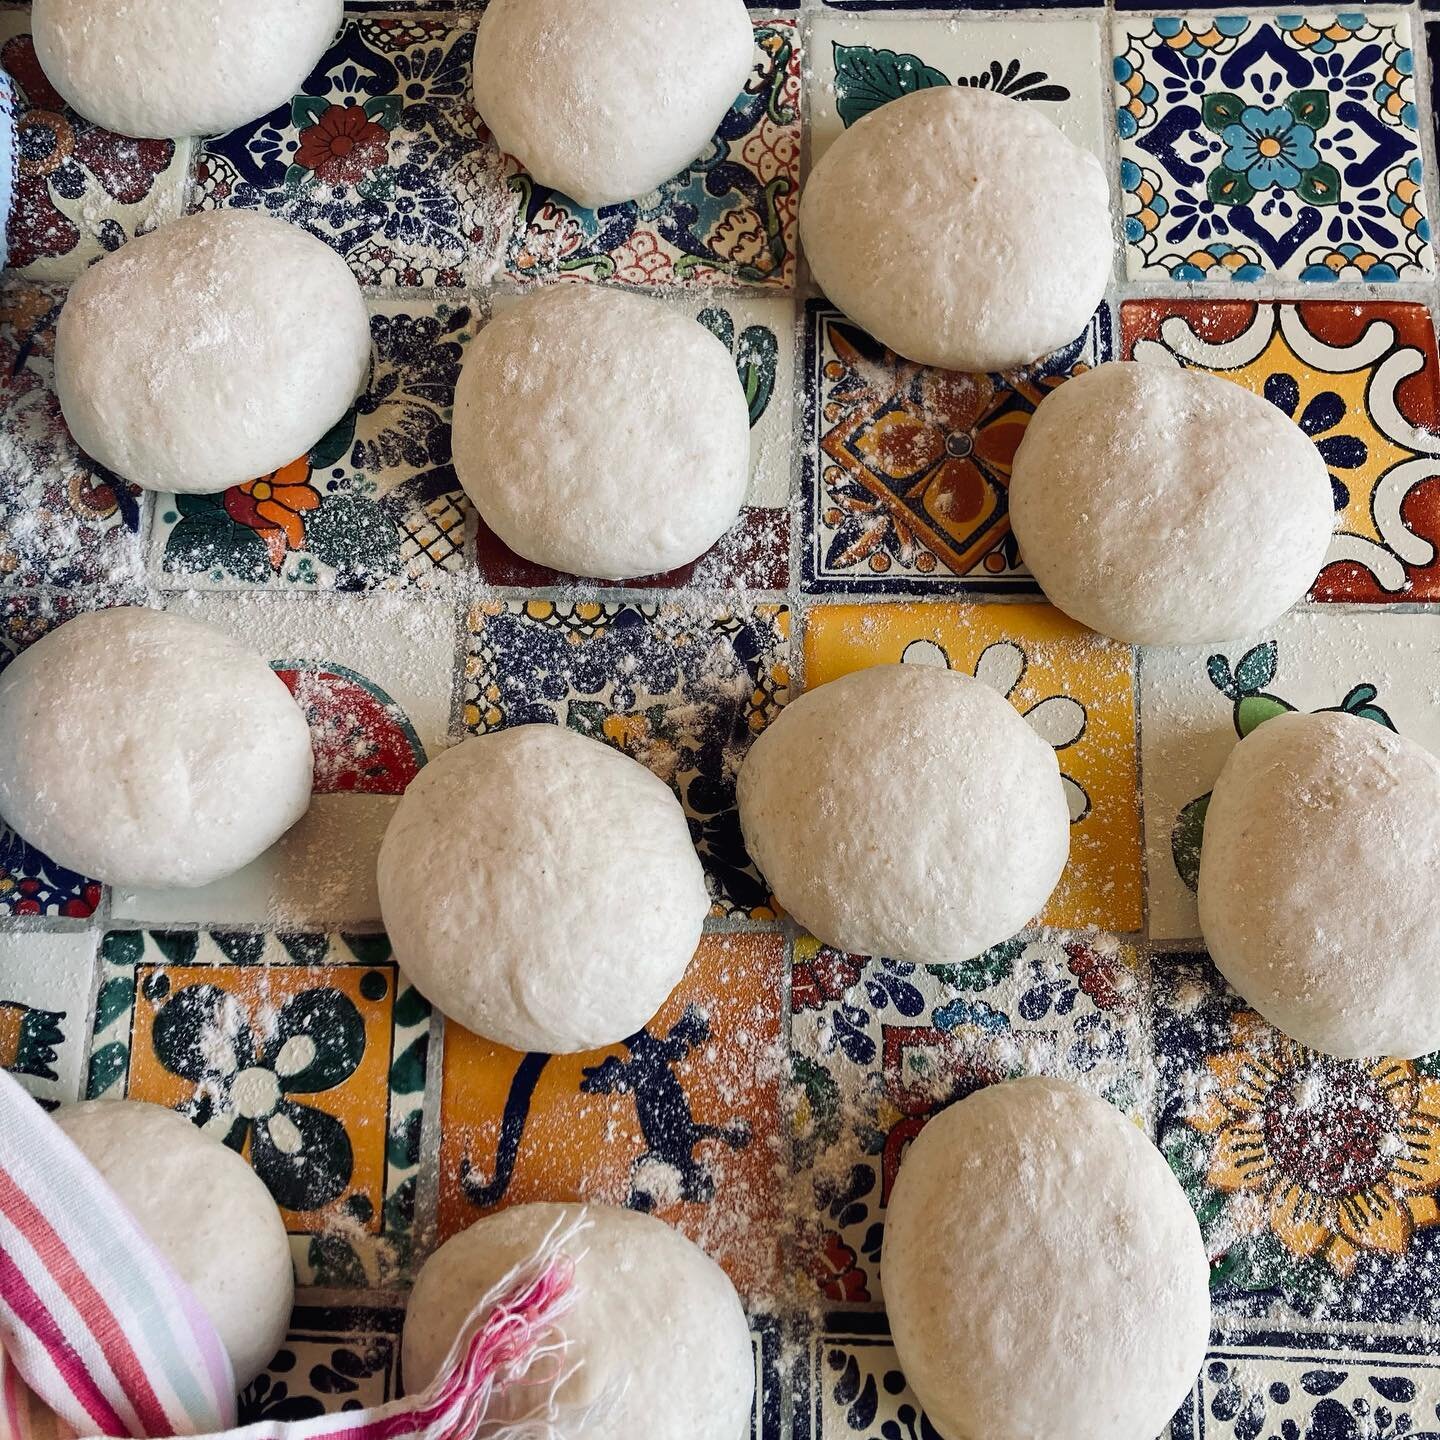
(906, 468)
(304, 1052)
(754, 554)
(1363, 381)
(1197, 702)
(860, 63)
(63, 519)
(374, 503)
(381, 155)
(46, 982)
(1075, 688)
(682, 1119)
(727, 218)
(1287, 146)
(375, 677)
(879, 1046)
(684, 689)
(1316, 1181)
(80, 190)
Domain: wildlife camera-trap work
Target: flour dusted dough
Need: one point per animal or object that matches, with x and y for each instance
(1163, 506)
(163, 69)
(148, 750)
(542, 889)
(603, 101)
(960, 228)
(905, 811)
(1044, 1275)
(1318, 876)
(656, 1324)
(601, 433)
(211, 352)
(208, 1213)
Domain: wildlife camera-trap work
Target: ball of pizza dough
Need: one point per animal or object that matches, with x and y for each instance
(1078, 1305)
(542, 889)
(147, 750)
(604, 101)
(1318, 875)
(960, 228)
(906, 811)
(1164, 506)
(210, 352)
(159, 70)
(208, 1213)
(602, 433)
(655, 1324)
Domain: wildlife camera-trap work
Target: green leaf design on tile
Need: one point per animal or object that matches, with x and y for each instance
(123, 947)
(407, 1074)
(384, 110)
(177, 946)
(411, 1007)
(1228, 187)
(205, 538)
(1256, 668)
(1360, 701)
(757, 358)
(305, 110)
(867, 78)
(402, 1145)
(1186, 836)
(1320, 185)
(107, 1066)
(374, 950)
(239, 947)
(588, 717)
(1309, 107)
(116, 996)
(719, 324)
(355, 537)
(334, 445)
(1221, 109)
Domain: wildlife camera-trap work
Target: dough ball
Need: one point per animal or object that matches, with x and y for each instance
(208, 1213)
(960, 228)
(210, 352)
(1079, 1306)
(906, 811)
(601, 433)
(655, 1321)
(542, 889)
(1318, 876)
(1163, 506)
(603, 101)
(159, 69)
(148, 750)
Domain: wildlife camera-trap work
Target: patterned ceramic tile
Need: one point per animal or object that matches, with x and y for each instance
(381, 155)
(1196, 702)
(1285, 145)
(1316, 1181)
(45, 984)
(1075, 689)
(683, 690)
(755, 553)
(63, 520)
(1363, 381)
(374, 503)
(729, 217)
(304, 1052)
(907, 468)
(860, 64)
(81, 190)
(879, 1046)
(682, 1119)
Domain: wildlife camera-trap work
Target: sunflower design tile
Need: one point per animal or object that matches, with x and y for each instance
(1363, 382)
(1199, 701)
(879, 1046)
(1074, 688)
(728, 218)
(681, 1120)
(304, 1052)
(374, 503)
(1271, 146)
(684, 690)
(45, 984)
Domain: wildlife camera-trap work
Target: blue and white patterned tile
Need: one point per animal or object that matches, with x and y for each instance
(850, 1385)
(46, 984)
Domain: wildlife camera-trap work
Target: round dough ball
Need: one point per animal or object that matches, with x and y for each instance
(210, 352)
(161, 70)
(208, 1213)
(960, 228)
(1318, 875)
(542, 889)
(149, 751)
(604, 101)
(602, 433)
(906, 811)
(1080, 1306)
(1164, 506)
(655, 1320)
